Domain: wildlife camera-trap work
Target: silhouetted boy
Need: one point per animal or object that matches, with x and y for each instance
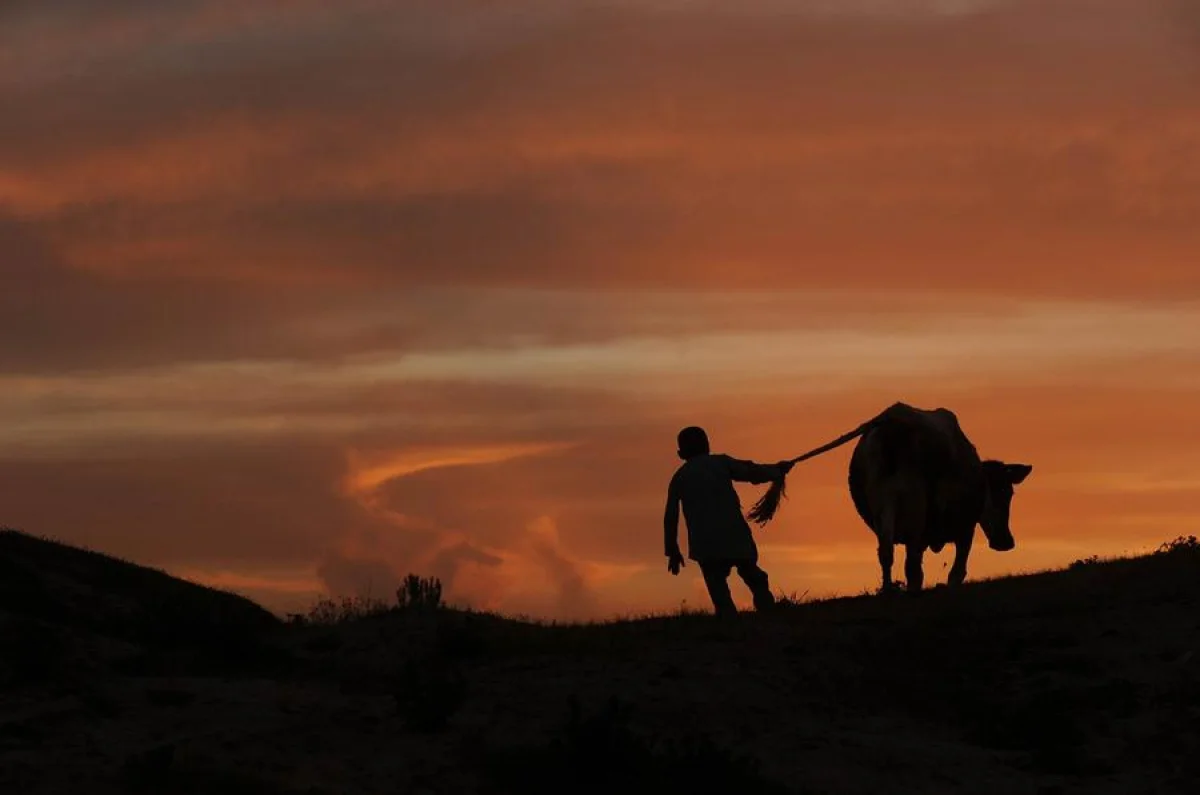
(719, 538)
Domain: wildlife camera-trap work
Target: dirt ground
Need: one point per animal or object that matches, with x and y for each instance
(1084, 680)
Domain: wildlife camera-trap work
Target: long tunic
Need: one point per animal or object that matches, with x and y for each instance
(716, 528)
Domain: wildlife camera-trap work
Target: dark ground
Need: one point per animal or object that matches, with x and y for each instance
(120, 679)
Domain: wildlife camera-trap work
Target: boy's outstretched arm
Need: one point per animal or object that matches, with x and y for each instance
(671, 530)
(752, 472)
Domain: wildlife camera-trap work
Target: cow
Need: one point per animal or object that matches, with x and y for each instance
(917, 480)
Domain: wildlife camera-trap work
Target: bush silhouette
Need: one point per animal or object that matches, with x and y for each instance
(349, 608)
(415, 593)
(419, 593)
(1180, 545)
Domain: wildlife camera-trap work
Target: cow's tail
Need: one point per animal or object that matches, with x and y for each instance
(838, 442)
(764, 510)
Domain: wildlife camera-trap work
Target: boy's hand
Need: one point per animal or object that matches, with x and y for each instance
(675, 562)
(786, 466)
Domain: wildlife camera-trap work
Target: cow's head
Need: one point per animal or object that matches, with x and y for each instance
(999, 479)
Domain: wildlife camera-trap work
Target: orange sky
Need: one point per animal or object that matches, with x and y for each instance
(301, 298)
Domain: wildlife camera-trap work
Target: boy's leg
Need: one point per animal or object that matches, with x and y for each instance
(716, 577)
(756, 580)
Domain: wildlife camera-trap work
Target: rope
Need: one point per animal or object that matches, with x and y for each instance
(764, 510)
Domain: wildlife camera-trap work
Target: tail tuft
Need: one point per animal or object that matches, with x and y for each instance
(764, 510)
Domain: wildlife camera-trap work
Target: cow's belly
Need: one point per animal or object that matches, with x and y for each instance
(877, 477)
(952, 514)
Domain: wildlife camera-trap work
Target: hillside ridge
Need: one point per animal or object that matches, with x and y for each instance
(1085, 679)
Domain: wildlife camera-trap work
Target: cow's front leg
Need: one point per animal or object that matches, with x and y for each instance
(958, 571)
(914, 573)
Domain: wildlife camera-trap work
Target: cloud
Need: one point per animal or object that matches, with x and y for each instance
(57, 317)
(569, 576)
(512, 552)
(576, 532)
(367, 476)
(203, 506)
(347, 576)
(303, 297)
(622, 144)
(212, 181)
(564, 355)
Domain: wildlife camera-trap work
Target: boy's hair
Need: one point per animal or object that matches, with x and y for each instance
(693, 441)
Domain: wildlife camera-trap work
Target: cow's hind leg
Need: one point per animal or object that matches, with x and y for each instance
(885, 531)
(911, 520)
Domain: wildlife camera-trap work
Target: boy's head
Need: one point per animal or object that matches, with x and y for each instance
(693, 441)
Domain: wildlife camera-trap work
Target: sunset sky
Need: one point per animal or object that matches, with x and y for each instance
(299, 297)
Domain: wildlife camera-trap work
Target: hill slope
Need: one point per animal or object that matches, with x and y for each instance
(48, 580)
(1084, 680)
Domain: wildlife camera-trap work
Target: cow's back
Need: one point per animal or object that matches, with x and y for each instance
(919, 449)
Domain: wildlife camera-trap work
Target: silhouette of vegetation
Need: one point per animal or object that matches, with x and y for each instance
(419, 593)
(601, 752)
(415, 593)
(1186, 545)
(349, 608)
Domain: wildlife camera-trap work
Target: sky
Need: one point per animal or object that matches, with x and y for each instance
(301, 297)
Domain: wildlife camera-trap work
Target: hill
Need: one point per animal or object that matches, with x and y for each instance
(45, 579)
(95, 609)
(1083, 680)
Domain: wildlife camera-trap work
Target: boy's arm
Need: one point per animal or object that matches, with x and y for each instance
(751, 472)
(671, 520)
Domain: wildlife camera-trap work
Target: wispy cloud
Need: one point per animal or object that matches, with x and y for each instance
(367, 473)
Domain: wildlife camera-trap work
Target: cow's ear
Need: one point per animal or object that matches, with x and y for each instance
(1018, 472)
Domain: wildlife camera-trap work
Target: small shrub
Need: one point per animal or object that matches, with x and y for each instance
(416, 593)
(1178, 545)
(349, 608)
(1091, 560)
(793, 599)
(419, 593)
